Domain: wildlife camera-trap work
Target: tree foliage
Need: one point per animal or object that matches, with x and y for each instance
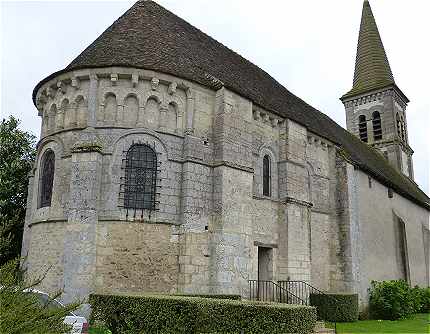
(17, 153)
(21, 311)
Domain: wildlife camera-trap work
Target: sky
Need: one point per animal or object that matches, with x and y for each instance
(309, 46)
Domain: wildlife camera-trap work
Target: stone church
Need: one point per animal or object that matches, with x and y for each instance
(168, 163)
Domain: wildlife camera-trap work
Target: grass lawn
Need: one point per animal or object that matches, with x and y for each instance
(98, 331)
(419, 323)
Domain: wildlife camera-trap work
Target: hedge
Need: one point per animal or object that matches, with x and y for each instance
(336, 306)
(214, 296)
(178, 314)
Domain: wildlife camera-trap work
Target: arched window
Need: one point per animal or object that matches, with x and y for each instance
(47, 168)
(140, 178)
(402, 122)
(362, 128)
(399, 126)
(377, 126)
(266, 176)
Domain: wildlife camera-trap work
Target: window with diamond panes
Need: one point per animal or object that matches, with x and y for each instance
(140, 178)
(47, 169)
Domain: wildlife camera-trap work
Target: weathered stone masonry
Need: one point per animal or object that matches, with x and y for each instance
(324, 220)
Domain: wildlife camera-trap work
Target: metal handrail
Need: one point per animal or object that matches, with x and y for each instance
(266, 289)
(312, 289)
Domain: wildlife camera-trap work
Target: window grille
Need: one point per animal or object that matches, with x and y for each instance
(377, 126)
(362, 128)
(138, 190)
(46, 178)
(266, 176)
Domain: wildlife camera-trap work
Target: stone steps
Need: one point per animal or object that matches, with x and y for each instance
(321, 329)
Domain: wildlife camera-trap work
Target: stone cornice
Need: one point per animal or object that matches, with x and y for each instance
(298, 202)
(375, 96)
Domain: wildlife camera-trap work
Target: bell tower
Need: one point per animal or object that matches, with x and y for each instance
(375, 107)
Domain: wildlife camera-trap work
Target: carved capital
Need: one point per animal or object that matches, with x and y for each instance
(134, 79)
(172, 88)
(154, 83)
(114, 79)
(75, 83)
(50, 92)
(61, 87)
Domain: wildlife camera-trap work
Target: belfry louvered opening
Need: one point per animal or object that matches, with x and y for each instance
(377, 126)
(362, 128)
(139, 187)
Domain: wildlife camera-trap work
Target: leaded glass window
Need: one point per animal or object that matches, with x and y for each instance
(47, 169)
(140, 178)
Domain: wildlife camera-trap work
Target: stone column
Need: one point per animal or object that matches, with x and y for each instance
(80, 237)
(163, 117)
(92, 100)
(189, 126)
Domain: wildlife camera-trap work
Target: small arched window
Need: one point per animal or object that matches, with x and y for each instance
(377, 126)
(266, 176)
(362, 128)
(402, 122)
(140, 178)
(47, 169)
(399, 126)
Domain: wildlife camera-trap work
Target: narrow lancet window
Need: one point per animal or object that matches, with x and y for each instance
(362, 128)
(266, 176)
(399, 126)
(47, 169)
(377, 126)
(402, 121)
(140, 178)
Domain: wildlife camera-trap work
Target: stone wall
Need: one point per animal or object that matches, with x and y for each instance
(46, 255)
(372, 240)
(212, 217)
(136, 257)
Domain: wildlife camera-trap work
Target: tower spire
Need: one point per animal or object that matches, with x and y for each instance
(372, 69)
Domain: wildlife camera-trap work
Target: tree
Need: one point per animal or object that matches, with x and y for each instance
(22, 312)
(17, 153)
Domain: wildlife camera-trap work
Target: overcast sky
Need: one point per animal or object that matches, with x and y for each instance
(308, 45)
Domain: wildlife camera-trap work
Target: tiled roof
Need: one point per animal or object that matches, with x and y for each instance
(372, 69)
(150, 37)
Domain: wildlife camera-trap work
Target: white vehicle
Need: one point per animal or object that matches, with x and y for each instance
(80, 324)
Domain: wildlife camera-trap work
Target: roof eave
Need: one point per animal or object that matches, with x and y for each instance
(352, 93)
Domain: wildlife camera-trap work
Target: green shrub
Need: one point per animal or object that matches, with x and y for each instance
(336, 306)
(391, 300)
(421, 299)
(214, 296)
(425, 301)
(179, 314)
(22, 311)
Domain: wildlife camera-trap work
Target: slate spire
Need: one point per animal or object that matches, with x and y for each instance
(372, 69)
